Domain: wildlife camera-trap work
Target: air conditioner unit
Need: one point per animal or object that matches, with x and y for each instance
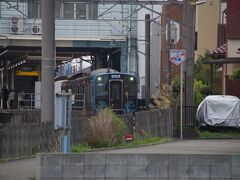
(16, 25)
(36, 28)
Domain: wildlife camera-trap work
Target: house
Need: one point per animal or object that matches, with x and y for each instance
(227, 53)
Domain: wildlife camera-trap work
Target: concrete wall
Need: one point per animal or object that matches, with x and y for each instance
(137, 167)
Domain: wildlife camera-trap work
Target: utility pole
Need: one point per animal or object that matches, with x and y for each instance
(48, 60)
(189, 21)
(147, 59)
(169, 77)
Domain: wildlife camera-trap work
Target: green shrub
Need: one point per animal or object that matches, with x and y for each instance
(176, 87)
(235, 75)
(105, 129)
(175, 93)
(201, 90)
(119, 129)
(206, 90)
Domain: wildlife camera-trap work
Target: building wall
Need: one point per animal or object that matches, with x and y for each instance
(233, 23)
(207, 19)
(102, 26)
(176, 13)
(233, 52)
(155, 50)
(233, 33)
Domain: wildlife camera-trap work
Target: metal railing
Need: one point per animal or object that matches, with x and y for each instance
(64, 27)
(78, 101)
(28, 101)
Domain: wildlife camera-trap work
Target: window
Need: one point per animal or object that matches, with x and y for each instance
(81, 11)
(92, 10)
(58, 10)
(68, 10)
(34, 10)
(65, 10)
(130, 85)
(116, 90)
(102, 85)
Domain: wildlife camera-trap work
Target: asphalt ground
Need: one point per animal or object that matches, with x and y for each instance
(217, 146)
(25, 169)
(22, 169)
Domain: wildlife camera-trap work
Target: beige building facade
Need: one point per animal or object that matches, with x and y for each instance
(207, 20)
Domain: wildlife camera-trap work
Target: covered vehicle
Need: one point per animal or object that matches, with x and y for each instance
(219, 110)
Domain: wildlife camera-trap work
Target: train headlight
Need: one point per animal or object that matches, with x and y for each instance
(99, 78)
(131, 78)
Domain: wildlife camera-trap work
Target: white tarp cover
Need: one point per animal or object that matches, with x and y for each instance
(219, 110)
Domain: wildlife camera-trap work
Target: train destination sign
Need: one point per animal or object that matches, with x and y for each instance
(115, 76)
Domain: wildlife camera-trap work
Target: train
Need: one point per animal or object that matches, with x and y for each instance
(104, 88)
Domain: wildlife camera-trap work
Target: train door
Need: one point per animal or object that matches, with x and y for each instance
(116, 94)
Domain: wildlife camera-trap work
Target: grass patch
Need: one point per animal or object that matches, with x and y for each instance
(134, 143)
(220, 135)
(81, 148)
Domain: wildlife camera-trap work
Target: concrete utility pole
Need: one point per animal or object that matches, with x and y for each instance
(147, 59)
(189, 21)
(48, 60)
(169, 77)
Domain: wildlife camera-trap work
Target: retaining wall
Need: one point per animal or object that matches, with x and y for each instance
(137, 167)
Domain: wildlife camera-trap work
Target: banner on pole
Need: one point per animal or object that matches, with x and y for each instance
(177, 56)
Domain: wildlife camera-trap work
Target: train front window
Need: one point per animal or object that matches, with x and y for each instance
(130, 85)
(102, 86)
(116, 88)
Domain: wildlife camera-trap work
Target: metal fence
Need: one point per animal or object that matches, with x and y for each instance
(157, 122)
(189, 115)
(31, 101)
(24, 139)
(25, 135)
(78, 101)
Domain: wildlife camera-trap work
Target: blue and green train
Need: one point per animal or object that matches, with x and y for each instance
(106, 88)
